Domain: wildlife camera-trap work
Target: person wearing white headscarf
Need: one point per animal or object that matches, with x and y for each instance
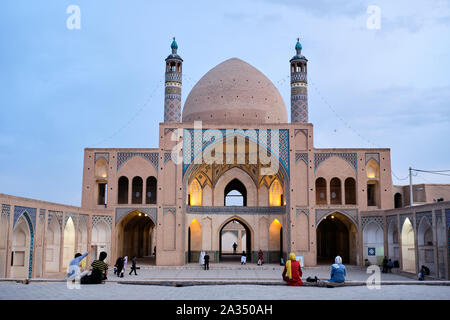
(338, 271)
(202, 259)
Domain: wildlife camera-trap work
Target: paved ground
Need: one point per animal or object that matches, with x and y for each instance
(59, 291)
(243, 272)
(224, 272)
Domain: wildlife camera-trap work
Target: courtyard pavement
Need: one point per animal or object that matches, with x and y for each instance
(226, 281)
(114, 291)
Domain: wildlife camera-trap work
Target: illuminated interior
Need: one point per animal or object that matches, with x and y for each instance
(276, 197)
(195, 193)
(372, 169)
(101, 168)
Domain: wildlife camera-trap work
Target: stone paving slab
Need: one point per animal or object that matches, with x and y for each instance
(113, 291)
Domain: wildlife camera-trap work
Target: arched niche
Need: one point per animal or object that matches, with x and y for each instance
(69, 243)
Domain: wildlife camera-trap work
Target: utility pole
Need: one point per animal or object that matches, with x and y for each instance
(411, 201)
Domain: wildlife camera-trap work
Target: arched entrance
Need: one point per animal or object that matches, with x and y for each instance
(234, 231)
(69, 243)
(20, 257)
(135, 237)
(408, 251)
(195, 238)
(336, 236)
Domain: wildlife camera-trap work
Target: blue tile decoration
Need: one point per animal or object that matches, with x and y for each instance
(30, 216)
(19, 210)
(123, 212)
(123, 157)
(300, 211)
(72, 215)
(6, 209)
(58, 215)
(97, 218)
(193, 140)
(99, 155)
(366, 220)
(351, 158)
(171, 209)
(374, 156)
(305, 132)
(403, 218)
(301, 156)
(371, 251)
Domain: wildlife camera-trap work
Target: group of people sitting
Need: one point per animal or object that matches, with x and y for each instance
(292, 272)
(387, 265)
(99, 268)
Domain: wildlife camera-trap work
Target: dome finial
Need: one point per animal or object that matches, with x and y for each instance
(174, 46)
(298, 47)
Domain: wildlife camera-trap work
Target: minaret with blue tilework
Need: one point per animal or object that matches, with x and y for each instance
(172, 98)
(299, 86)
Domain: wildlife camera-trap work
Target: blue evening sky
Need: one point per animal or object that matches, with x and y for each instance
(64, 90)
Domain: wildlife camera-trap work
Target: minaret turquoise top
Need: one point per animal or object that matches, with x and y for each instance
(174, 47)
(298, 47)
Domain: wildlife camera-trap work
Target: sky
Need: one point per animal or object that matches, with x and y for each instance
(62, 89)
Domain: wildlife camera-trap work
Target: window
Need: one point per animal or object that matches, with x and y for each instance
(150, 196)
(122, 193)
(335, 191)
(350, 191)
(235, 194)
(136, 196)
(321, 191)
(102, 187)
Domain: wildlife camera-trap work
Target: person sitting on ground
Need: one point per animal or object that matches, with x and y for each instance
(423, 272)
(74, 266)
(99, 271)
(292, 272)
(338, 271)
(243, 258)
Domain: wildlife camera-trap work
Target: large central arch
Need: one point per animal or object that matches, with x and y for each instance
(135, 237)
(336, 236)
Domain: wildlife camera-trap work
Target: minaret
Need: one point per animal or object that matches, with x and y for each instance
(299, 86)
(172, 98)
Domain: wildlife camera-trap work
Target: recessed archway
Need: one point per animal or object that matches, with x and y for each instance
(408, 250)
(20, 257)
(135, 237)
(336, 236)
(69, 243)
(234, 230)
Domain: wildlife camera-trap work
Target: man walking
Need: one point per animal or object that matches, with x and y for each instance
(133, 266)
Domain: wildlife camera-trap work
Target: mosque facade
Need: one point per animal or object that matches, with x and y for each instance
(229, 168)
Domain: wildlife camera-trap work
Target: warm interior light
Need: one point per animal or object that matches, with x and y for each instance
(275, 193)
(195, 192)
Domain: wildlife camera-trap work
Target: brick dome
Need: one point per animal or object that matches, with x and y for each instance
(234, 92)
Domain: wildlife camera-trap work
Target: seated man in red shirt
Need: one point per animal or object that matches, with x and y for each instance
(292, 272)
